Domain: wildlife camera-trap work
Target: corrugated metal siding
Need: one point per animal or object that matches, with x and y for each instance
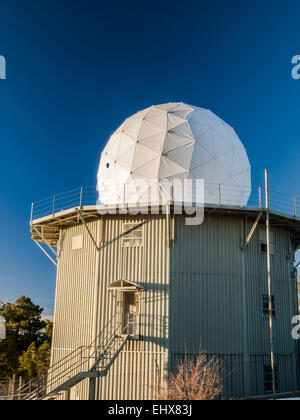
(147, 265)
(205, 287)
(133, 376)
(206, 298)
(285, 367)
(74, 296)
(74, 291)
(256, 270)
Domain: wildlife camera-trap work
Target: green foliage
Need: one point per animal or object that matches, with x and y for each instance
(35, 362)
(47, 332)
(23, 322)
(8, 357)
(26, 349)
(28, 361)
(43, 359)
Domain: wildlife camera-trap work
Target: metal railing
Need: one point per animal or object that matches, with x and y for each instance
(95, 356)
(222, 194)
(83, 196)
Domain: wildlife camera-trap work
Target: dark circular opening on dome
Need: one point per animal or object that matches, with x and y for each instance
(107, 165)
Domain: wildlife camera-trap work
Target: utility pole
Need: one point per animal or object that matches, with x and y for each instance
(269, 281)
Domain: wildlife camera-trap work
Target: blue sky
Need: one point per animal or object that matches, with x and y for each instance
(76, 69)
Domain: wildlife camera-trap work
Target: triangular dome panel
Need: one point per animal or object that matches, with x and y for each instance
(173, 141)
(124, 144)
(142, 155)
(181, 156)
(200, 156)
(149, 130)
(169, 168)
(156, 143)
(149, 170)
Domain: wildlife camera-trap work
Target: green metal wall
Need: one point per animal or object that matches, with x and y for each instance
(216, 300)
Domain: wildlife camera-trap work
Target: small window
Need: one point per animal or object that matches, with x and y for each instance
(132, 234)
(266, 305)
(263, 247)
(268, 383)
(77, 242)
(263, 242)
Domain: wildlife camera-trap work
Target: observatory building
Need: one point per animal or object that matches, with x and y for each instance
(139, 286)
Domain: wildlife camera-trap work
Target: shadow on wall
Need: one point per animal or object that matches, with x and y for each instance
(155, 292)
(154, 329)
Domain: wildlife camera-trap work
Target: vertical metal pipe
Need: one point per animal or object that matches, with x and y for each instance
(168, 210)
(80, 202)
(20, 386)
(269, 281)
(53, 210)
(259, 197)
(31, 214)
(246, 353)
(295, 210)
(220, 197)
(95, 332)
(92, 389)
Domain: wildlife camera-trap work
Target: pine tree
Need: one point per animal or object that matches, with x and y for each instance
(43, 360)
(29, 362)
(24, 327)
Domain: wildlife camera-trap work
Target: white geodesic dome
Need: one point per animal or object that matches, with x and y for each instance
(174, 141)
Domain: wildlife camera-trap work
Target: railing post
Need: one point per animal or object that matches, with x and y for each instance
(80, 203)
(53, 211)
(38, 388)
(13, 387)
(259, 197)
(20, 386)
(31, 213)
(172, 193)
(220, 198)
(124, 195)
(295, 209)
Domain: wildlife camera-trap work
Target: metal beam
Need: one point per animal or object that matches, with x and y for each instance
(92, 389)
(45, 252)
(44, 240)
(248, 239)
(88, 230)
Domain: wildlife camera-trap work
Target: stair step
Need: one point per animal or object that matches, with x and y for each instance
(100, 367)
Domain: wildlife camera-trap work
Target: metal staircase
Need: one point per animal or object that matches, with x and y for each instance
(91, 361)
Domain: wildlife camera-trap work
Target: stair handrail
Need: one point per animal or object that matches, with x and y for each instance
(105, 336)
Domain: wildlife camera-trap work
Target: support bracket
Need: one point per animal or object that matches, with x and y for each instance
(45, 252)
(88, 230)
(248, 239)
(44, 240)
